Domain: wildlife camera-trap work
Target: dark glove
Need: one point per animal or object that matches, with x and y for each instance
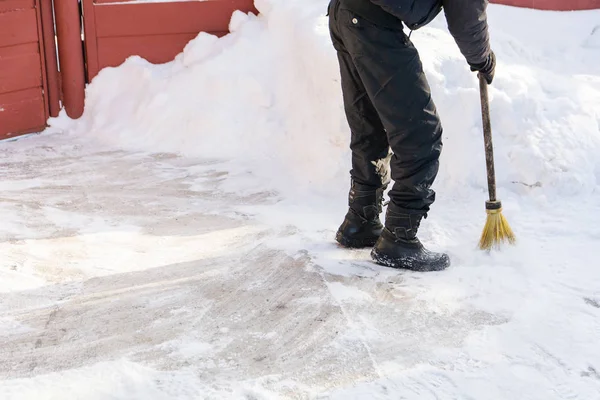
(487, 69)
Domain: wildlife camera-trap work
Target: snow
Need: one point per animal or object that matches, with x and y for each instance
(176, 242)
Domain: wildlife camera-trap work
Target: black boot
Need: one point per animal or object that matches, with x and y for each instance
(362, 226)
(399, 247)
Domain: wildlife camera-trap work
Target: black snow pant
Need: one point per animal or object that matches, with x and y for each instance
(395, 129)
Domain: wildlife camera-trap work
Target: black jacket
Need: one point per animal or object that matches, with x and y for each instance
(467, 20)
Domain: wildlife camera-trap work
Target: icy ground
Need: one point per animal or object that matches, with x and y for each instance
(177, 241)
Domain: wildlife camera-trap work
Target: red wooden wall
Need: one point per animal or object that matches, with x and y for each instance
(154, 31)
(24, 100)
(558, 5)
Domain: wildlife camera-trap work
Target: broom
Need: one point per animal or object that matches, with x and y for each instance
(496, 230)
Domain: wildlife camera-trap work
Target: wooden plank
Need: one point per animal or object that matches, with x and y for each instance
(21, 112)
(70, 54)
(91, 41)
(41, 59)
(50, 58)
(17, 27)
(166, 18)
(121, 1)
(20, 68)
(11, 5)
(563, 5)
(157, 49)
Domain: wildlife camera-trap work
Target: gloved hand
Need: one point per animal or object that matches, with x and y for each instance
(487, 69)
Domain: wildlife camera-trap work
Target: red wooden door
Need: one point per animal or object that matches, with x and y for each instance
(24, 100)
(156, 31)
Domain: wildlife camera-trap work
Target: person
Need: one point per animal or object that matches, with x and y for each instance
(396, 132)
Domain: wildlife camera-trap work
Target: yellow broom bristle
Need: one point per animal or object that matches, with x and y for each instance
(496, 231)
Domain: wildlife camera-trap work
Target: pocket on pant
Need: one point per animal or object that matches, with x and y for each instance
(352, 19)
(365, 36)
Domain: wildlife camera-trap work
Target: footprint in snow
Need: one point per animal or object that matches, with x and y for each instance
(591, 372)
(592, 302)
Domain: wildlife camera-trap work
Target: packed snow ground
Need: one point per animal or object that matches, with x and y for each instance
(176, 242)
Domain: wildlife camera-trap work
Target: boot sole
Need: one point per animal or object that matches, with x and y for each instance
(386, 261)
(355, 243)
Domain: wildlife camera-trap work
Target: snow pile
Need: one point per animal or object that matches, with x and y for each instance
(268, 95)
(265, 95)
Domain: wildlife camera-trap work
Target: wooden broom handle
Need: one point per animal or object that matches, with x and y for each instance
(487, 137)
